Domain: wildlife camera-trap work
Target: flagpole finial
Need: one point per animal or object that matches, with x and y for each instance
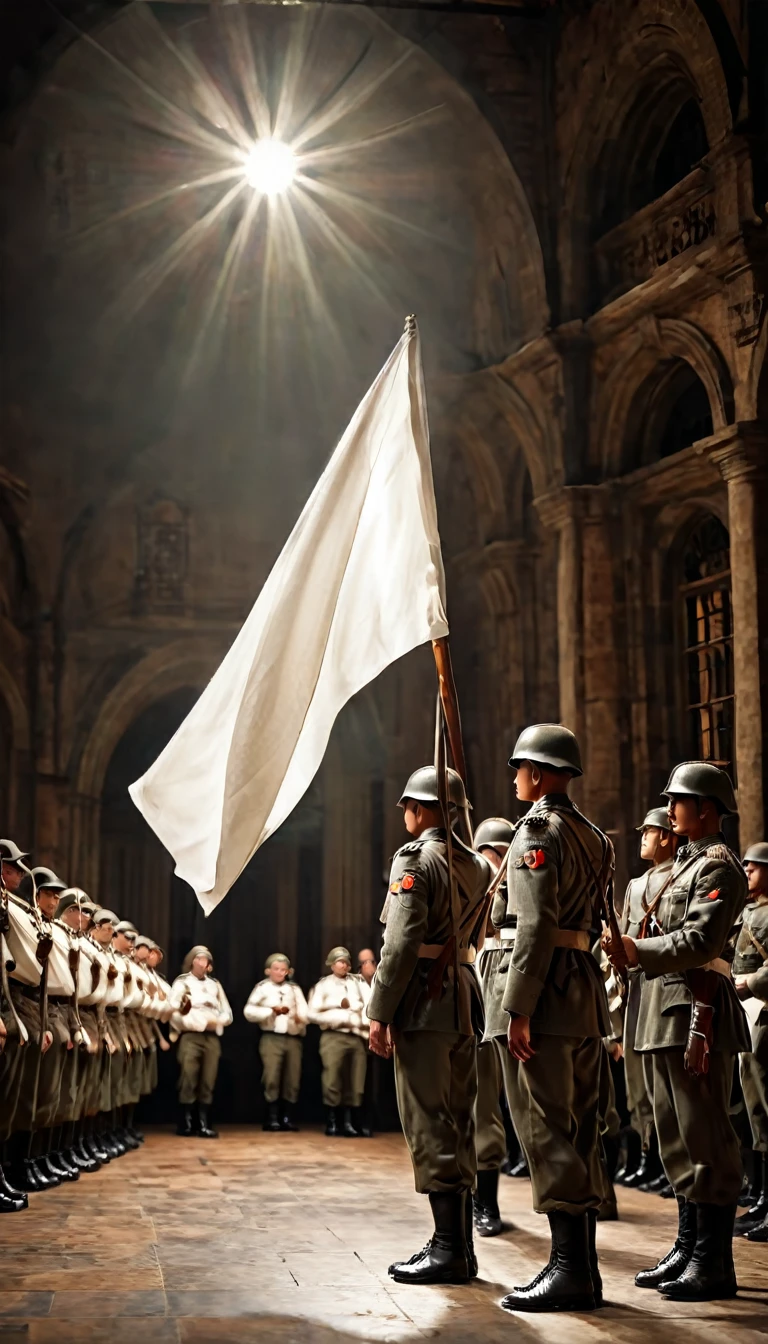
(410, 325)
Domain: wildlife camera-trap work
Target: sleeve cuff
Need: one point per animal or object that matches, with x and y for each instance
(383, 1003)
(522, 992)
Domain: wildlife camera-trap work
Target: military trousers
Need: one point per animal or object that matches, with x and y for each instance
(697, 1142)
(52, 1067)
(199, 1054)
(490, 1134)
(638, 1093)
(554, 1101)
(345, 1059)
(753, 1069)
(436, 1083)
(281, 1065)
(15, 1058)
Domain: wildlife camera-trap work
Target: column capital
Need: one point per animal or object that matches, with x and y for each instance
(739, 451)
(575, 503)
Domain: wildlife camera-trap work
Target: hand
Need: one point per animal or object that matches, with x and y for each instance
(616, 1051)
(281, 1011)
(47, 1042)
(742, 989)
(212, 1023)
(519, 1039)
(380, 1040)
(345, 1003)
(164, 1045)
(185, 1005)
(630, 948)
(3, 1035)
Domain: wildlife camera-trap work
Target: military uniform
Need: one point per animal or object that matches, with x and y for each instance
(697, 919)
(750, 968)
(281, 1044)
(343, 1040)
(435, 1018)
(201, 1011)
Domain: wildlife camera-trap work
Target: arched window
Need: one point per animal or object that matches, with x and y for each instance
(708, 643)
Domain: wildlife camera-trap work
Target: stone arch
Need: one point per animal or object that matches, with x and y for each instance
(18, 714)
(648, 362)
(653, 52)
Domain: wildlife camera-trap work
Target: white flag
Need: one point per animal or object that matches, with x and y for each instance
(358, 584)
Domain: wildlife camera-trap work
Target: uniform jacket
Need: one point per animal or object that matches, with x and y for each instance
(22, 939)
(641, 893)
(748, 963)
(209, 1004)
(325, 1010)
(551, 886)
(418, 911)
(699, 914)
(266, 996)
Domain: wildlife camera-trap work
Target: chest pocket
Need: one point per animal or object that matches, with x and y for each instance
(675, 904)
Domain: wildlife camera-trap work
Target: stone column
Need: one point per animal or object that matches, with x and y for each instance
(741, 453)
(561, 512)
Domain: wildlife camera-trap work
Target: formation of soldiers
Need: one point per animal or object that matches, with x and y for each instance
(491, 972)
(82, 1002)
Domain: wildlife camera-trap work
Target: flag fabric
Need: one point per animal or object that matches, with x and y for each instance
(358, 584)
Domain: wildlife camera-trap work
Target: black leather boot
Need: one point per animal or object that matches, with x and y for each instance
(206, 1131)
(348, 1127)
(331, 1122)
(186, 1126)
(594, 1268)
(709, 1275)
(520, 1169)
(759, 1233)
(286, 1118)
(566, 1284)
(445, 1258)
(131, 1126)
(9, 1192)
(469, 1234)
(759, 1209)
(84, 1160)
(675, 1261)
(486, 1204)
(633, 1151)
(10, 1205)
(650, 1167)
(272, 1119)
(58, 1166)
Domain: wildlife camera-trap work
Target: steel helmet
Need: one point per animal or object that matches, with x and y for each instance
(658, 817)
(10, 852)
(494, 832)
(548, 744)
(701, 779)
(757, 853)
(422, 788)
(46, 880)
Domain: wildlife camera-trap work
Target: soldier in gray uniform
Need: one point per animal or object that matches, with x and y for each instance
(548, 1000)
(426, 1005)
(692, 1025)
(750, 976)
(492, 839)
(657, 847)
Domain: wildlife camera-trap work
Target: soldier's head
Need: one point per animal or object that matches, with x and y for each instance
(366, 964)
(493, 838)
(12, 865)
(546, 758)
(124, 937)
(339, 961)
(141, 948)
(156, 956)
(699, 795)
(199, 961)
(104, 923)
(277, 967)
(657, 841)
(49, 889)
(420, 799)
(756, 868)
(75, 909)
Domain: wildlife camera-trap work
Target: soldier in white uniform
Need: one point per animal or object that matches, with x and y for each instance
(25, 934)
(278, 1006)
(201, 1012)
(337, 1006)
(56, 1082)
(75, 911)
(115, 1057)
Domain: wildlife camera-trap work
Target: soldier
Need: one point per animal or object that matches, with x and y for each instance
(123, 947)
(337, 1006)
(366, 964)
(23, 932)
(548, 999)
(201, 1012)
(492, 839)
(115, 1054)
(692, 1025)
(278, 1006)
(750, 975)
(55, 1095)
(657, 847)
(75, 911)
(427, 1008)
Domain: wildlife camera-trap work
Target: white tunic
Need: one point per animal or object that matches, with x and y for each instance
(22, 939)
(325, 1005)
(61, 983)
(266, 996)
(210, 1009)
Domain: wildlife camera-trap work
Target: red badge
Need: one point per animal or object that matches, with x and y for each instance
(408, 881)
(713, 895)
(534, 858)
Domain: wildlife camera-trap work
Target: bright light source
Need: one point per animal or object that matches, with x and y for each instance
(270, 167)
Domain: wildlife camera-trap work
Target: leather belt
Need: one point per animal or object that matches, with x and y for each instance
(431, 952)
(720, 965)
(574, 938)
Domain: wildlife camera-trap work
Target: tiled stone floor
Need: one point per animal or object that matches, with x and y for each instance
(288, 1237)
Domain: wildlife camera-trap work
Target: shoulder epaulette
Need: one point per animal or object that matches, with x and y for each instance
(413, 847)
(537, 821)
(719, 852)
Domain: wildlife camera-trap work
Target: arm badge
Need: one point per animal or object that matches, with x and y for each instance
(534, 858)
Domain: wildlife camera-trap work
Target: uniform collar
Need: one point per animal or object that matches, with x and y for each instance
(433, 833)
(694, 847)
(560, 800)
